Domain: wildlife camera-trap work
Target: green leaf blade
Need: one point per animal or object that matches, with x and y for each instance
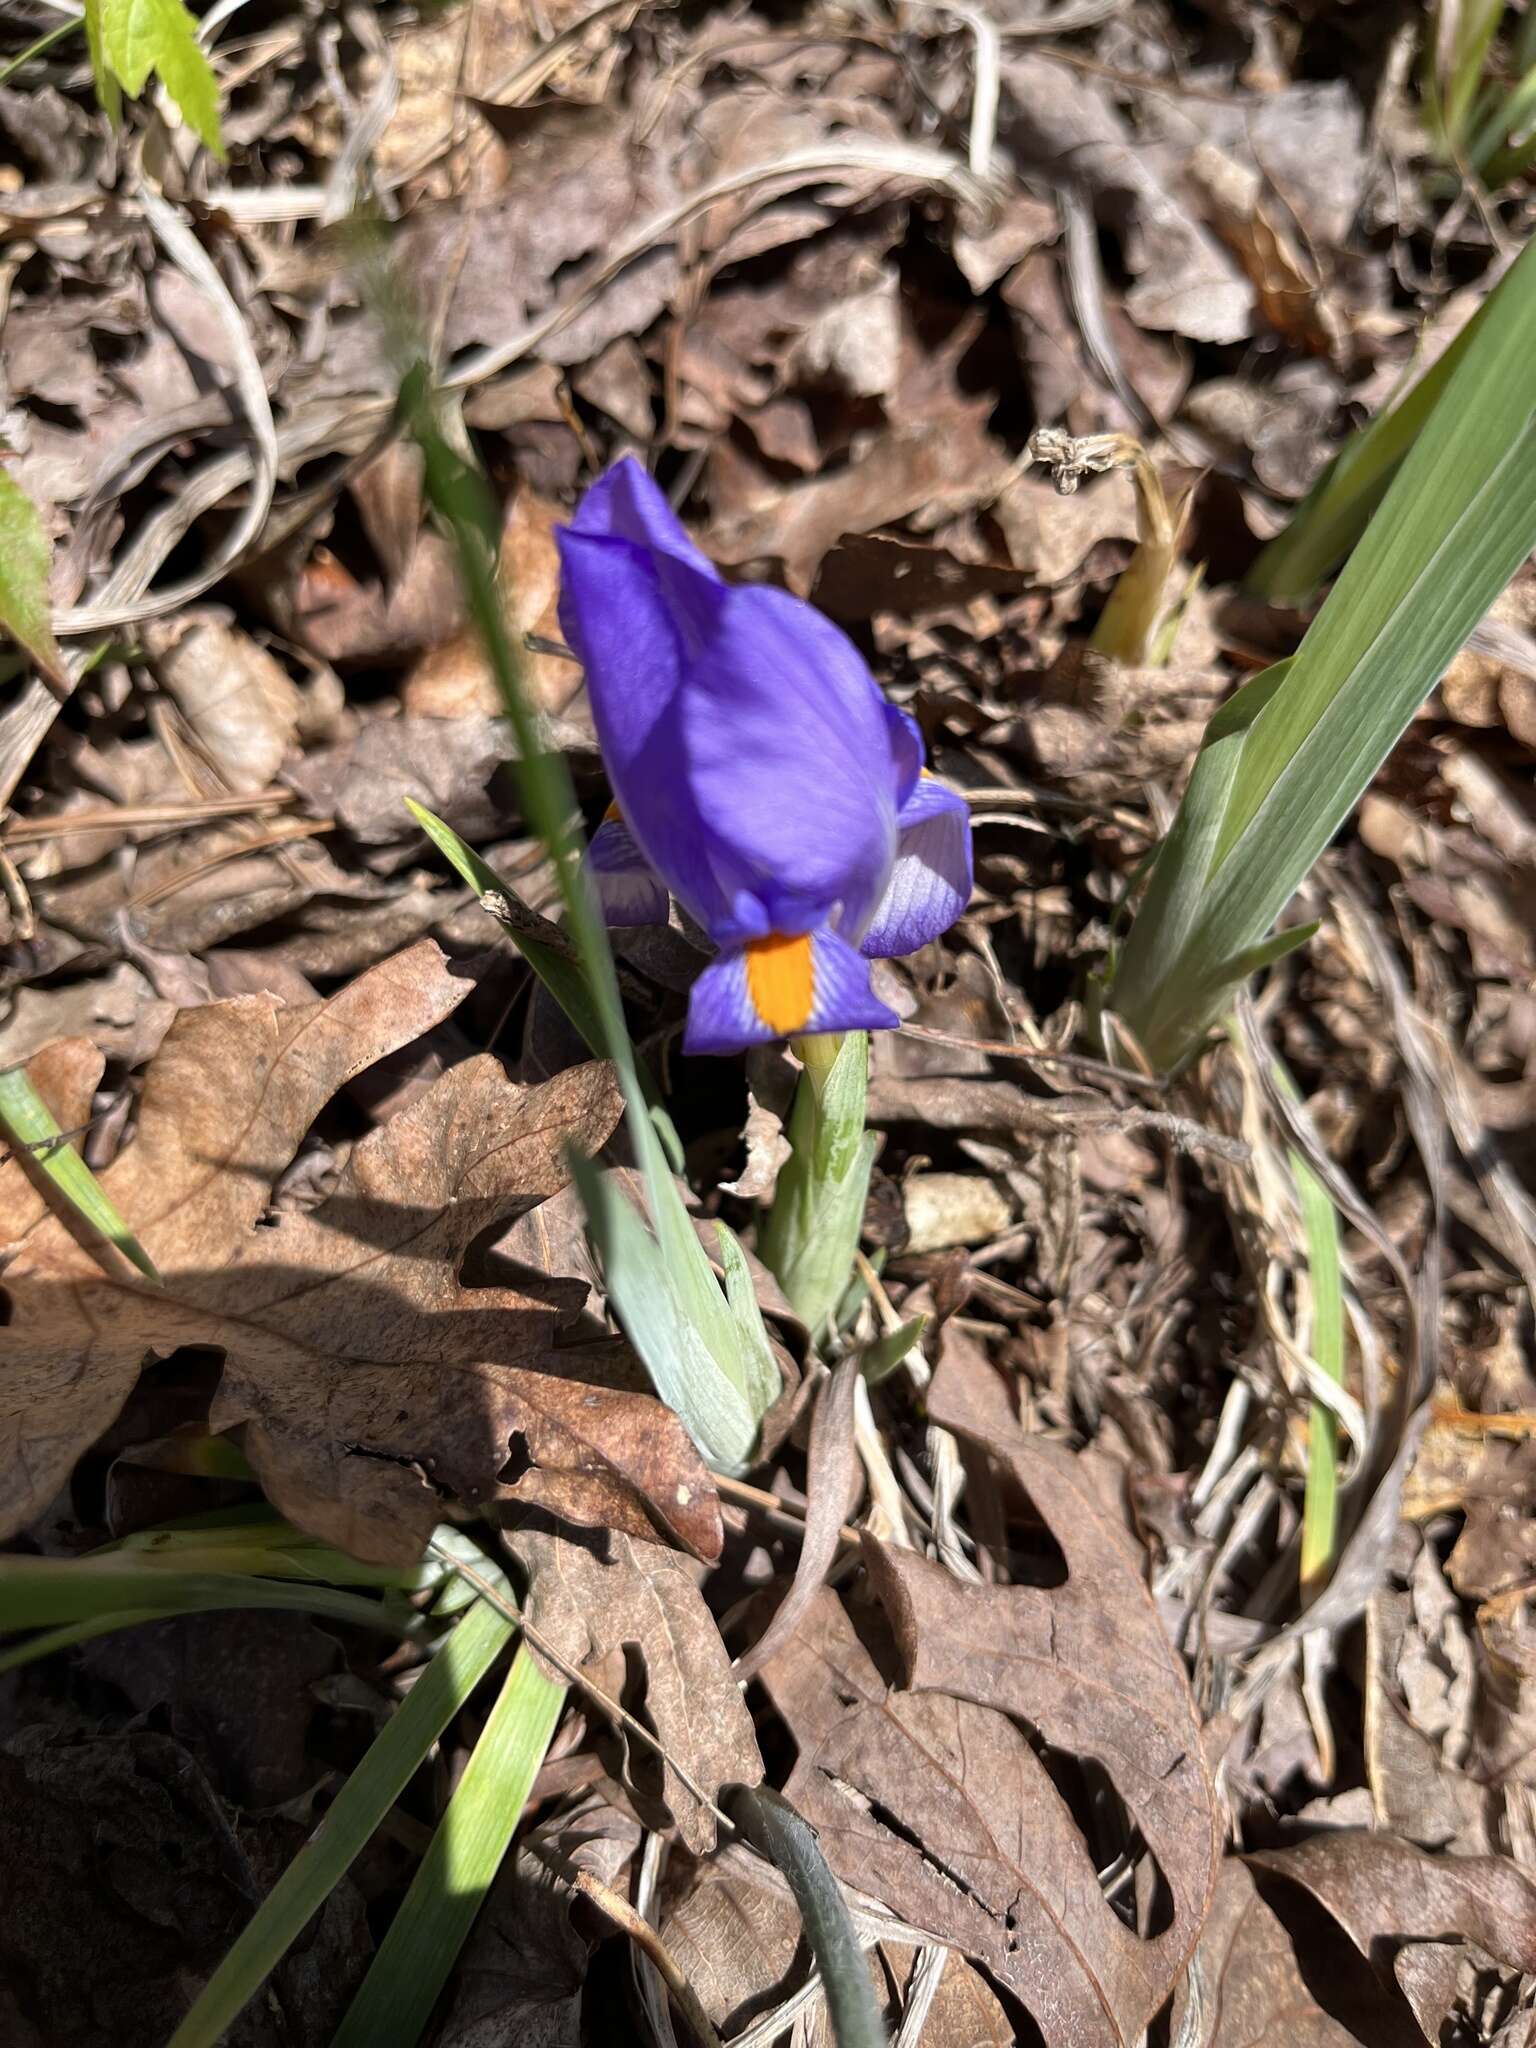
(140, 36)
(25, 560)
(424, 1939)
(27, 1120)
(1288, 759)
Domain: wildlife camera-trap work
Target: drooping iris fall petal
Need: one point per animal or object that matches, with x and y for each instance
(930, 882)
(782, 987)
(629, 890)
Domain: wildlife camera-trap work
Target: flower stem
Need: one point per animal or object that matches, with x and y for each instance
(817, 1053)
(812, 1231)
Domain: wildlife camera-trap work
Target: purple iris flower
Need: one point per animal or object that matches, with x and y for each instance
(759, 777)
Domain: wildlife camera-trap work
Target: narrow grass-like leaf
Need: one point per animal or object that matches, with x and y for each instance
(560, 974)
(27, 1121)
(251, 1538)
(882, 1357)
(1336, 511)
(242, 1557)
(1288, 758)
(1508, 113)
(47, 1642)
(1320, 1511)
(45, 1592)
(1325, 1281)
(69, 26)
(1455, 52)
(424, 1939)
(401, 1747)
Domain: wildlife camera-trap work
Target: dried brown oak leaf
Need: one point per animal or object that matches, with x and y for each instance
(591, 1599)
(930, 1794)
(369, 1382)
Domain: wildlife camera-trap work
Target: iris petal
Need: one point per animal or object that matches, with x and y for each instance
(629, 890)
(906, 750)
(825, 985)
(930, 883)
(624, 504)
(788, 753)
(624, 628)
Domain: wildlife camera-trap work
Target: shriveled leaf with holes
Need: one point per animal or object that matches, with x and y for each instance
(929, 1795)
(592, 1599)
(369, 1382)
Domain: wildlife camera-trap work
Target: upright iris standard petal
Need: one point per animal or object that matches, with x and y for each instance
(629, 636)
(624, 504)
(782, 987)
(788, 749)
(930, 883)
(629, 890)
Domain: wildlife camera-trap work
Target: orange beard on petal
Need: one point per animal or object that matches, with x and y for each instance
(781, 981)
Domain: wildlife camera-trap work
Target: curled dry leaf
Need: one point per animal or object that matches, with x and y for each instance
(931, 1796)
(1273, 260)
(767, 1150)
(1392, 1899)
(366, 1377)
(239, 702)
(833, 1484)
(1245, 1979)
(591, 1600)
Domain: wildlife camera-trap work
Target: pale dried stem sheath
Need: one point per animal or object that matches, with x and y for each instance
(1128, 628)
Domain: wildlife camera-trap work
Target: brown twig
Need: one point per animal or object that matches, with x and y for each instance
(125, 817)
(613, 1906)
(1075, 1062)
